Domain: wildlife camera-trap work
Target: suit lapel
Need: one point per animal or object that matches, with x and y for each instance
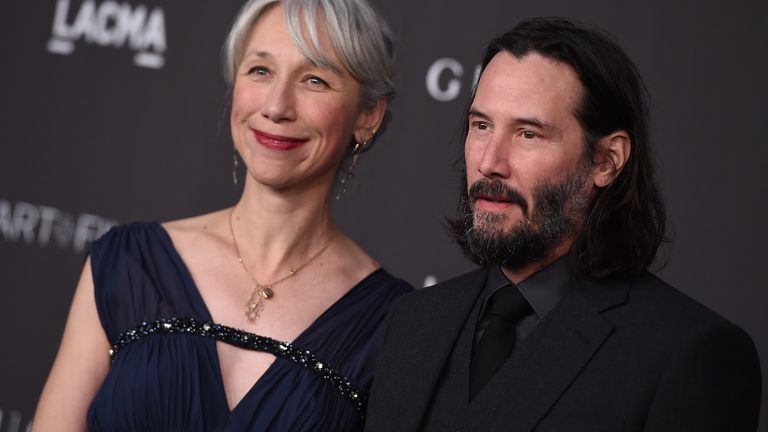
(548, 361)
(426, 340)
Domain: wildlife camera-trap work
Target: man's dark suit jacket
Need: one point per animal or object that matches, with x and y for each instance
(630, 355)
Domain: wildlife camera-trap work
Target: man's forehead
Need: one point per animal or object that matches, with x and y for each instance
(529, 83)
(532, 63)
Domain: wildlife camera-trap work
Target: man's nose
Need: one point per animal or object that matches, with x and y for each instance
(494, 162)
(279, 105)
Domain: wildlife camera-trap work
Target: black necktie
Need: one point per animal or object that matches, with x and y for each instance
(506, 307)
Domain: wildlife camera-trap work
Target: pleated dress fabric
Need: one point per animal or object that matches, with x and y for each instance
(172, 382)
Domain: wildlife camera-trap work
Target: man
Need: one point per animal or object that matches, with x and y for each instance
(563, 328)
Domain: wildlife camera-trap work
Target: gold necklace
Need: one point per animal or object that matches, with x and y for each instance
(262, 292)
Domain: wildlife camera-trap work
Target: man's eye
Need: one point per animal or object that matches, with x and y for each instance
(529, 134)
(480, 125)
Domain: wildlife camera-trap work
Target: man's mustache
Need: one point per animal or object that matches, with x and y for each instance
(498, 191)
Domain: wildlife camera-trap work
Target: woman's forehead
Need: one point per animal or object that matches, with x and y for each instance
(307, 32)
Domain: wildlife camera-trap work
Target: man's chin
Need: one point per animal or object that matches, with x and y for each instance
(495, 234)
(493, 223)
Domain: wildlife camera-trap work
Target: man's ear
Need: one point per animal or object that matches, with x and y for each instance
(369, 120)
(611, 156)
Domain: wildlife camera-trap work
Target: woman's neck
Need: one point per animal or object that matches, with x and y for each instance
(279, 230)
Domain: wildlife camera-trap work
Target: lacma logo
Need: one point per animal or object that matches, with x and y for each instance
(111, 24)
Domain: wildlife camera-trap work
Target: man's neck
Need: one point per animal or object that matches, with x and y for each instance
(518, 275)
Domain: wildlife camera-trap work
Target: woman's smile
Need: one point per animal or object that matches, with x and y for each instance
(277, 142)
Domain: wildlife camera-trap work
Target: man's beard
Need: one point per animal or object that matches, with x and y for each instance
(553, 218)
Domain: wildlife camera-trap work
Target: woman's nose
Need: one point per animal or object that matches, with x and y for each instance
(279, 103)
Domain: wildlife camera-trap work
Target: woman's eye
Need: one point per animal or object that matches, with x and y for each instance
(315, 81)
(258, 71)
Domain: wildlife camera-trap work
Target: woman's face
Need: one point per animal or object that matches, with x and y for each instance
(291, 120)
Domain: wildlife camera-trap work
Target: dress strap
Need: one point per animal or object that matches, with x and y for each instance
(245, 340)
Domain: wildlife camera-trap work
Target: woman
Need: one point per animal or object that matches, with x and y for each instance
(310, 84)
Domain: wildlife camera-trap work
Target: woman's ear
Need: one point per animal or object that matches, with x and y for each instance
(369, 121)
(611, 157)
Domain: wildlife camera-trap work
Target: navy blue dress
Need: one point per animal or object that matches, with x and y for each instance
(165, 373)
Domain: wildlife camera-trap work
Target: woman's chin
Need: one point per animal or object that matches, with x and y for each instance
(287, 182)
(288, 176)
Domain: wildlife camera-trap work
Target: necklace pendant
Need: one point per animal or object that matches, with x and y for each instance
(266, 293)
(255, 304)
(253, 309)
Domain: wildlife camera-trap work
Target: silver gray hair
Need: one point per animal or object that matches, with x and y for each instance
(360, 38)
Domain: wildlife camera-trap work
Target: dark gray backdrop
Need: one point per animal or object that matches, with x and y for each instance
(104, 121)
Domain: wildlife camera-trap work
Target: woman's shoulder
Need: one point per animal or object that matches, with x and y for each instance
(395, 285)
(358, 265)
(135, 237)
(120, 237)
(198, 224)
(199, 234)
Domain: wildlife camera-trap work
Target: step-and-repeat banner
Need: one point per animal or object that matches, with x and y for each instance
(116, 111)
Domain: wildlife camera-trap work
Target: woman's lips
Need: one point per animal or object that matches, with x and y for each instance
(277, 142)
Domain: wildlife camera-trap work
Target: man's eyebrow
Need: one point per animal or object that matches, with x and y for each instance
(475, 113)
(533, 121)
(530, 121)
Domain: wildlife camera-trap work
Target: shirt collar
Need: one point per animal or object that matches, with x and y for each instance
(543, 289)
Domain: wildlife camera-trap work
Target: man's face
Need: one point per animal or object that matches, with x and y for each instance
(528, 182)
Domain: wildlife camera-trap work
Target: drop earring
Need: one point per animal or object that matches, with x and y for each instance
(356, 151)
(234, 167)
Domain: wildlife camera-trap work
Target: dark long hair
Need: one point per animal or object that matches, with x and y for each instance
(626, 221)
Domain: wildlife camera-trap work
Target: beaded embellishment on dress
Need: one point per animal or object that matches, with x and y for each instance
(245, 340)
